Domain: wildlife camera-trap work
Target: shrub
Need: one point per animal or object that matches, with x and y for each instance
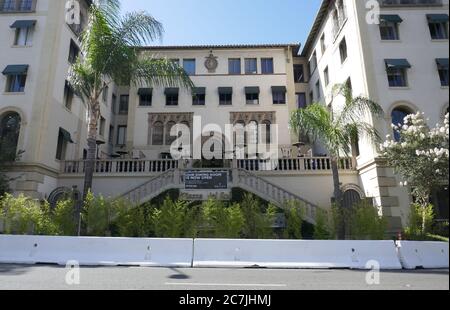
(168, 220)
(99, 214)
(222, 221)
(323, 228)
(130, 220)
(64, 218)
(257, 224)
(23, 215)
(420, 222)
(294, 220)
(366, 223)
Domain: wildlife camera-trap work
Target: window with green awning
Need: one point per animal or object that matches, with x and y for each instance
(252, 90)
(391, 18)
(23, 24)
(15, 70)
(437, 18)
(397, 64)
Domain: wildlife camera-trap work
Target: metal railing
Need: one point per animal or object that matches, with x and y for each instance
(388, 3)
(120, 166)
(17, 6)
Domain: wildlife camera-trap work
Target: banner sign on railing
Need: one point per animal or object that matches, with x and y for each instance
(206, 180)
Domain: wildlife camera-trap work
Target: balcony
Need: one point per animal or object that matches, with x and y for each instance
(401, 3)
(17, 6)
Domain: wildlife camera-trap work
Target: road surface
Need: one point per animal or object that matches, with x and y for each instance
(17, 277)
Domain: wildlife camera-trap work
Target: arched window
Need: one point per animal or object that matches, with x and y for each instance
(266, 134)
(252, 133)
(351, 198)
(398, 119)
(9, 133)
(170, 139)
(158, 133)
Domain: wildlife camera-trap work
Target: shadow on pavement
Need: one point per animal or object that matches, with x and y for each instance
(178, 275)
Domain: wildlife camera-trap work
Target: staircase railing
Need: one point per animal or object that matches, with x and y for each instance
(273, 193)
(157, 185)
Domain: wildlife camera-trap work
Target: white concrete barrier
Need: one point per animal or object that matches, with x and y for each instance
(295, 254)
(96, 251)
(423, 254)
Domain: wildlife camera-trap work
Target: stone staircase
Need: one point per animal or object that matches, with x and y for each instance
(248, 181)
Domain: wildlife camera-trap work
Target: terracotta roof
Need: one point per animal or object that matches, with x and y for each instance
(294, 46)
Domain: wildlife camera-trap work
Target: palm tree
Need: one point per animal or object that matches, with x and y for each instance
(338, 129)
(110, 53)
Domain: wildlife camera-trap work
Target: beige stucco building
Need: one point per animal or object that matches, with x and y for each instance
(401, 63)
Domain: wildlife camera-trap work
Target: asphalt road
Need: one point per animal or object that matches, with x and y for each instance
(18, 277)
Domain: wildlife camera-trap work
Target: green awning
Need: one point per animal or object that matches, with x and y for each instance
(225, 90)
(252, 90)
(437, 18)
(66, 135)
(15, 70)
(172, 91)
(391, 18)
(199, 91)
(279, 89)
(442, 62)
(23, 24)
(145, 91)
(397, 63)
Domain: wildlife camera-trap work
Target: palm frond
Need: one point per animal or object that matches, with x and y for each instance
(359, 108)
(139, 28)
(110, 9)
(160, 72)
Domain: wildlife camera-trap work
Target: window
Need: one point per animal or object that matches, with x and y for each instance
(171, 96)
(438, 24)
(343, 50)
(113, 104)
(16, 83)
(299, 74)
(252, 95)
(24, 32)
(267, 66)
(389, 27)
(63, 139)
(189, 66)
(397, 72)
(145, 97)
(74, 51)
(225, 95)
(443, 70)
(234, 66)
(311, 96)
(121, 135)
(397, 77)
(170, 139)
(123, 104)
(158, 133)
(199, 98)
(398, 119)
(313, 63)
(26, 5)
(251, 65)
(111, 135)
(68, 96)
(279, 94)
(105, 93)
(318, 89)
(301, 100)
(326, 77)
(9, 132)
(322, 44)
(102, 126)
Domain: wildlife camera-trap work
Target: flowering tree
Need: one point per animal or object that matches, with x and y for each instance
(421, 157)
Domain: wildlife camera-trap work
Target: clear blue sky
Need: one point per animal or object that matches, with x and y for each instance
(230, 21)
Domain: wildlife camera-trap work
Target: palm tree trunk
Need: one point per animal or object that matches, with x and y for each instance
(338, 196)
(92, 148)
